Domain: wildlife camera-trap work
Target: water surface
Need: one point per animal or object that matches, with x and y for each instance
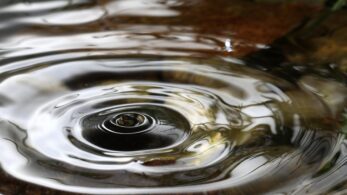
(133, 97)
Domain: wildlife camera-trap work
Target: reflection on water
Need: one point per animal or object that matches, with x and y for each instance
(151, 96)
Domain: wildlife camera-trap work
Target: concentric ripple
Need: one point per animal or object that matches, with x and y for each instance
(153, 97)
(160, 125)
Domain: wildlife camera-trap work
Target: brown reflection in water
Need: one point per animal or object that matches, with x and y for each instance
(249, 26)
(326, 44)
(13, 186)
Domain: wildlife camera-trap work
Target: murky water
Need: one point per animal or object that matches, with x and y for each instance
(150, 96)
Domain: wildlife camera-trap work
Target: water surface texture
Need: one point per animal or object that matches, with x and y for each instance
(152, 97)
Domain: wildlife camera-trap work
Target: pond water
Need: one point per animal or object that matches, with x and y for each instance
(155, 96)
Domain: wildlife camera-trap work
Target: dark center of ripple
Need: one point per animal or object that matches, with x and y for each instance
(135, 128)
(128, 123)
